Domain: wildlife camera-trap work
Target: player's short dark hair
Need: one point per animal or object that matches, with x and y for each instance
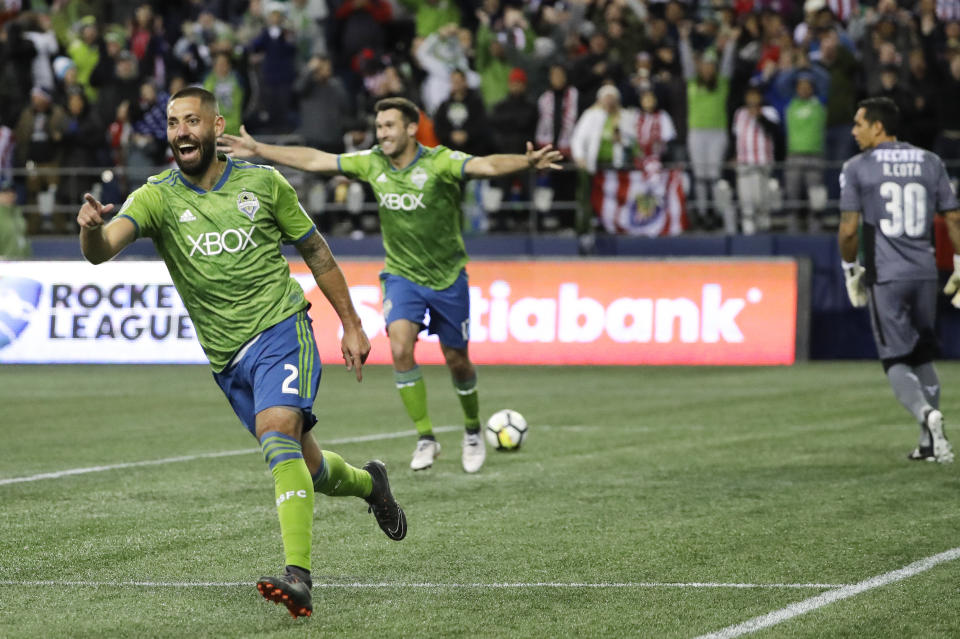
(882, 110)
(407, 108)
(207, 99)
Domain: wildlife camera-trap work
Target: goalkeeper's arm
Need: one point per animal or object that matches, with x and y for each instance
(953, 229)
(848, 241)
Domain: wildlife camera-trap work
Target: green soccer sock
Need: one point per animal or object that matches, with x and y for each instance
(294, 494)
(337, 478)
(469, 401)
(413, 392)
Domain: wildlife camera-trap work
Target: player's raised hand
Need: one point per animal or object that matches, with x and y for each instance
(239, 146)
(952, 286)
(355, 347)
(543, 158)
(91, 213)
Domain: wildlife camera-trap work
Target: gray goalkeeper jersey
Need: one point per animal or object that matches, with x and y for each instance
(897, 188)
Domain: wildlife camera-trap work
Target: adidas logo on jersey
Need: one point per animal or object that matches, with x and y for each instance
(187, 216)
(382, 178)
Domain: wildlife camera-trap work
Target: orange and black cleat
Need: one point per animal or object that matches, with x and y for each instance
(292, 589)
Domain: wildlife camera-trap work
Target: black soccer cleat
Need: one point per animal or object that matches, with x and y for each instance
(388, 512)
(292, 589)
(922, 453)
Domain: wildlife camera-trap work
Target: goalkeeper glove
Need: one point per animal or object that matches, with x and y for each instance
(954, 282)
(856, 289)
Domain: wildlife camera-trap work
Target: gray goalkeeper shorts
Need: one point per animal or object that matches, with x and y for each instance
(902, 312)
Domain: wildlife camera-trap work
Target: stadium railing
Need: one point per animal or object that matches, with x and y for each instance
(530, 203)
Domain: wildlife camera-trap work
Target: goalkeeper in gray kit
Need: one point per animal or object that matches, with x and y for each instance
(889, 194)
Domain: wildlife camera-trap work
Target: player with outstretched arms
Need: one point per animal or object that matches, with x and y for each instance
(418, 191)
(889, 194)
(218, 223)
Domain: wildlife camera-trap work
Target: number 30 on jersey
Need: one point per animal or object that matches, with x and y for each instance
(907, 206)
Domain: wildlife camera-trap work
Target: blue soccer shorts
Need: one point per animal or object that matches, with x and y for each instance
(449, 308)
(278, 367)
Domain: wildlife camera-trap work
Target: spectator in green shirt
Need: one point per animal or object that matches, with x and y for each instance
(224, 83)
(708, 87)
(502, 45)
(432, 14)
(13, 228)
(85, 52)
(806, 118)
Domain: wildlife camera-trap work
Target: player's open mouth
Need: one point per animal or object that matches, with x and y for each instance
(188, 151)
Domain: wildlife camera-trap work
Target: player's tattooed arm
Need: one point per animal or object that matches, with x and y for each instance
(354, 343)
(316, 253)
(847, 237)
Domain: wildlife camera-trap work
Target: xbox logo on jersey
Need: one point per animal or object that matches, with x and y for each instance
(19, 298)
(230, 241)
(402, 202)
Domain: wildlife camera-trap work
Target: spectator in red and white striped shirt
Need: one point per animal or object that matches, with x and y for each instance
(556, 118)
(557, 112)
(655, 129)
(755, 128)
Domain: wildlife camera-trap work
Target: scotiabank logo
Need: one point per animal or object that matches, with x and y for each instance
(574, 318)
(643, 312)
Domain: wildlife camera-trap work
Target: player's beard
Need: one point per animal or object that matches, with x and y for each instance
(207, 151)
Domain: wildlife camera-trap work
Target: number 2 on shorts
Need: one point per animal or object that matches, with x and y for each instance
(287, 388)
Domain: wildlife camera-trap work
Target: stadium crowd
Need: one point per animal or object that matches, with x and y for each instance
(760, 92)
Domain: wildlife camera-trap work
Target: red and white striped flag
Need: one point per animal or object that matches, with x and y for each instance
(647, 202)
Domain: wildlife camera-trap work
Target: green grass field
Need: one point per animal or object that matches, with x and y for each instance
(647, 502)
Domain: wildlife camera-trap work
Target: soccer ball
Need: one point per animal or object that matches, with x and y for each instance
(506, 430)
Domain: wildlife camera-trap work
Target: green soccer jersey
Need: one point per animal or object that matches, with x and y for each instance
(420, 217)
(222, 248)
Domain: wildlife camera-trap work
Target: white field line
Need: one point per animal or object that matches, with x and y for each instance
(826, 598)
(226, 453)
(424, 585)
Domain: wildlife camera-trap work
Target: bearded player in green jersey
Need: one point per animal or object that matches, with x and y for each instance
(418, 190)
(218, 224)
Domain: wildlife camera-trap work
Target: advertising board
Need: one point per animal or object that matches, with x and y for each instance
(708, 311)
